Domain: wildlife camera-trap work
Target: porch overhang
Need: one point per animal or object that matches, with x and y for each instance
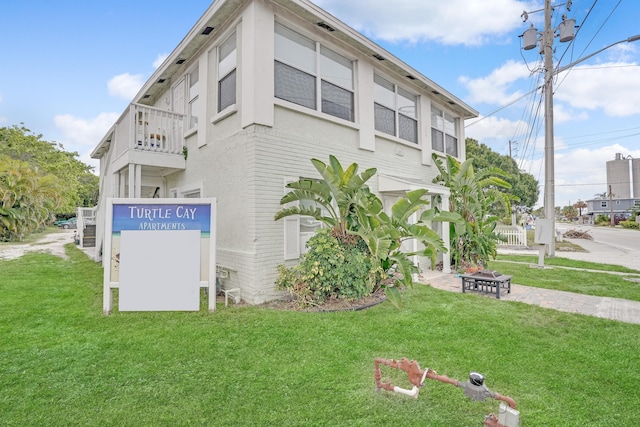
(395, 184)
(389, 184)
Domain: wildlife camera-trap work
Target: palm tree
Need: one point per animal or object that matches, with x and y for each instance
(580, 205)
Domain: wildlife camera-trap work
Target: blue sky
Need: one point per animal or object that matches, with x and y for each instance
(70, 67)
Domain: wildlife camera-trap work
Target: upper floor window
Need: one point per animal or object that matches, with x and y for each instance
(311, 75)
(227, 60)
(395, 110)
(444, 132)
(603, 204)
(194, 78)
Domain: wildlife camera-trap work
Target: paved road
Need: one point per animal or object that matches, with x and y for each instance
(609, 245)
(619, 238)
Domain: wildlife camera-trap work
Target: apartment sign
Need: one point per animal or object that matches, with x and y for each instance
(159, 253)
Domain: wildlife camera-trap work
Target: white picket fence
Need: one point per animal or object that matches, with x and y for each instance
(516, 236)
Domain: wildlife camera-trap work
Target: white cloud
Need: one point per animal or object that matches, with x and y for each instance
(578, 173)
(160, 59)
(496, 88)
(484, 128)
(562, 114)
(125, 85)
(449, 22)
(83, 135)
(613, 88)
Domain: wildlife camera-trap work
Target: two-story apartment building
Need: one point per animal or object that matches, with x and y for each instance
(254, 91)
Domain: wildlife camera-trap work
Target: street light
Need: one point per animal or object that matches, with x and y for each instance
(566, 34)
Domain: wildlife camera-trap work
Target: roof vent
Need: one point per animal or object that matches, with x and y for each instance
(161, 81)
(378, 57)
(410, 77)
(207, 31)
(326, 26)
(180, 61)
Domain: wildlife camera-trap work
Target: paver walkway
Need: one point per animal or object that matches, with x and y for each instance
(608, 308)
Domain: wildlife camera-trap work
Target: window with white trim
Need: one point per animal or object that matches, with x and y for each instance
(395, 110)
(603, 204)
(192, 111)
(298, 229)
(444, 132)
(311, 75)
(227, 62)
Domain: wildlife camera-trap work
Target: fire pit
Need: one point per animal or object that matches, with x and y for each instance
(486, 281)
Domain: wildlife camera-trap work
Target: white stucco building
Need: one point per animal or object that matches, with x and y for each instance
(254, 91)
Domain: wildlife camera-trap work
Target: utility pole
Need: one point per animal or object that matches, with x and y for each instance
(531, 40)
(613, 221)
(549, 183)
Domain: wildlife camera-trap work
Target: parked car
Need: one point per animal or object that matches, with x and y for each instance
(69, 223)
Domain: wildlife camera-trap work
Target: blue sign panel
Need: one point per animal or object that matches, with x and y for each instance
(160, 217)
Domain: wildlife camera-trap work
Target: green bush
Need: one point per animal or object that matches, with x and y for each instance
(630, 224)
(331, 269)
(602, 219)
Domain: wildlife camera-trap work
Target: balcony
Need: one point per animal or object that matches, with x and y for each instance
(148, 136)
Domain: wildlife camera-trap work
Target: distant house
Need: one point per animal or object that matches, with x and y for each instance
(254, 91)
(621, 208)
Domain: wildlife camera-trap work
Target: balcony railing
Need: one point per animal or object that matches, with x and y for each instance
(148, 129)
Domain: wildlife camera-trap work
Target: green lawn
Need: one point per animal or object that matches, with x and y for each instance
(63, 363)
(562, 279)
(558, 261)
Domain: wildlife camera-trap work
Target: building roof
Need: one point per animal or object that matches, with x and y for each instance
(221, 11)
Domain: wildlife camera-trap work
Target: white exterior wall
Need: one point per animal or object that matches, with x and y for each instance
(242, 155)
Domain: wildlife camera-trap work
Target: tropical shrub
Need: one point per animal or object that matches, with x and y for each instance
(474, 196)
(632, 225)
(602, 219)
(332, 268)
(27, 199)
(362, 230)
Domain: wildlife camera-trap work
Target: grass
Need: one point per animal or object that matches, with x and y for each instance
(588, 282)
(63, 363)
(563, 245)
(565, 262)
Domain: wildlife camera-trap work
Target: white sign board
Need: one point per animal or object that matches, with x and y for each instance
(159, 253)
(544, 231)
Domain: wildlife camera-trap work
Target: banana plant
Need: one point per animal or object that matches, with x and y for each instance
(385, 233)
(474, 196)
(332, 198)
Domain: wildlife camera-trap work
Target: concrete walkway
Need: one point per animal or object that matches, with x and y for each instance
(608, 308)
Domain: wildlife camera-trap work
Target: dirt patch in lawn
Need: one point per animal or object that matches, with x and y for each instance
(52, 243)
